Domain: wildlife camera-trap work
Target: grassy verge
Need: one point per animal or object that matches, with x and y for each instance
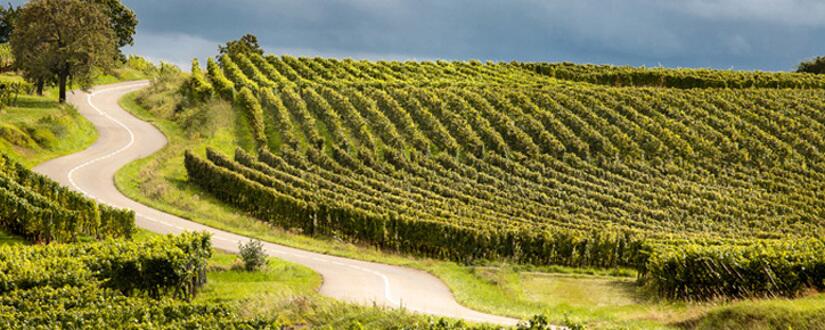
(288, 293)
(807, 313)
(38, 128)
(598, 298)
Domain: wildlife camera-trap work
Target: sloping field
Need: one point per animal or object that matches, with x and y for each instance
(710, 183)
(42, 211)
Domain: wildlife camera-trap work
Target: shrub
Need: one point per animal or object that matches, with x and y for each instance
(763, 268)
(198, 88)
(141, 64)
(252, 253)
(254, 113)
(41, 210)
(171, 265)
(223, 85)
(816, 65)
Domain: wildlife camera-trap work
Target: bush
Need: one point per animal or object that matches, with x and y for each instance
(43, 136)
(166, 266)
(198, 88)
(254, 113)
(252, 253)
(40, 210)
(762, 269)
(540, 322)
(15, 136)
(141, 64)
(224, 87)
(93, 307)
(761, 316)
(816, 65)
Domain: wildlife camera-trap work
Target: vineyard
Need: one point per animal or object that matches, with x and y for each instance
(42, 211)
(110, 282)
(707, 191)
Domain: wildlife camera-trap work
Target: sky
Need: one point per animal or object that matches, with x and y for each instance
(726, 34)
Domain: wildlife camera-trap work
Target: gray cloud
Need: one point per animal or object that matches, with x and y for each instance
(784, 12)
(745, 34)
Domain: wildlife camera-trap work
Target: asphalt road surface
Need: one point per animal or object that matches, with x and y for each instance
(124, 138)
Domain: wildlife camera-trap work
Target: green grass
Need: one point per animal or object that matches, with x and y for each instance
(289, 293)
(807, 313)
(228, 282)
(38, 128)
(119, 75)
(8, 239)
(601, 298)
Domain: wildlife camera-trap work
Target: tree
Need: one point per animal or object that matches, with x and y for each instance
(59, 40)
(816, 65)
(245, 45)
(123, 20)
(7, 17)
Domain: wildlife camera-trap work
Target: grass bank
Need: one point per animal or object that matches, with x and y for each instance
(288, 293)
(38, 128)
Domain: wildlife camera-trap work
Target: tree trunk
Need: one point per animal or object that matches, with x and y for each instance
(40, 85)
(62, 81)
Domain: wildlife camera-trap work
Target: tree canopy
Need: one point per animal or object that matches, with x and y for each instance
(123, 20)
(62, 40)
(245, 45)
(816, 65)
(7, 16)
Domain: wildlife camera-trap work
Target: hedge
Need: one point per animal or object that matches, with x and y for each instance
(41, 210)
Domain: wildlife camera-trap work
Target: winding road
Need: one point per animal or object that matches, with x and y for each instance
(124, 138)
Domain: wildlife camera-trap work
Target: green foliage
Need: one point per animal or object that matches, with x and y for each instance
(253, 256)
(540, 322)
(41, 210)
(678, 78)
(198, 88)
(141, 65)
(7, 17)
(10, 91)
(471, 161)
(123, 20)
(93, 307)
(764, 268)
(816, 66)
(57, 39)
(260, 194)
(248, 44)
(761, 317)
(172, 265)
(112, 284)
(223, 86)
(236, 75)
(15, 136)
(255, 114)
(6, 57)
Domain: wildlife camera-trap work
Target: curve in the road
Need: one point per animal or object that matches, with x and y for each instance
(124, 138)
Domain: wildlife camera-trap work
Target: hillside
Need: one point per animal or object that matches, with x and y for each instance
(92, 274)
(41, 211)
(469, 160)
(35, 128)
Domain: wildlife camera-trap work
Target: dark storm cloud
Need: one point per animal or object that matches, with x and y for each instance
(744, 34)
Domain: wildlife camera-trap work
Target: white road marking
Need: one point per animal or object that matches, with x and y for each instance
(107, 116)
(227, 237)
(384, 278)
